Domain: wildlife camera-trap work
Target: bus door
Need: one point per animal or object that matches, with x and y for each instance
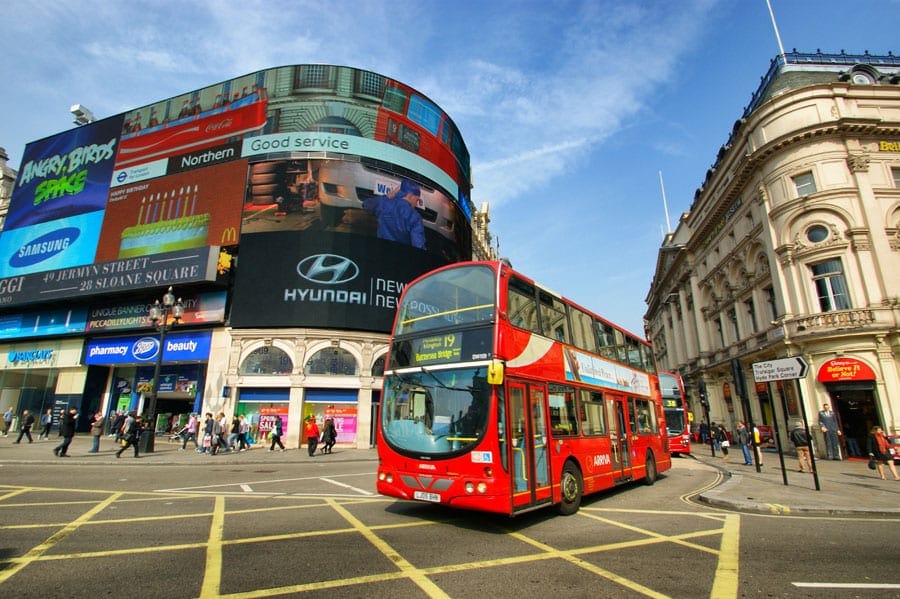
(528, 451)
(620, 446)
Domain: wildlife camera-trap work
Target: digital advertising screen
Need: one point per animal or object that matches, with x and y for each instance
(58, 200)
(305, 278)
(285, 164)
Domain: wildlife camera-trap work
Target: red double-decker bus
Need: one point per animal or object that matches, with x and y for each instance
(678, 422)
(503, 396)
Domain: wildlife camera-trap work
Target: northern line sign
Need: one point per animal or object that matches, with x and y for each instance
(779, 370)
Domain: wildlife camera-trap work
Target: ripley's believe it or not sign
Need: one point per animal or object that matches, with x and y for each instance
(339, 186)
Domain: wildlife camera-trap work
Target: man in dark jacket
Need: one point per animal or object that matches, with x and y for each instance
(27, 423)
(67, 432)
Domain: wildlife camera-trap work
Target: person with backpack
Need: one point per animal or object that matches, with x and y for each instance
(275, 434)
(329, 435)
(800, 438)
(131, 434)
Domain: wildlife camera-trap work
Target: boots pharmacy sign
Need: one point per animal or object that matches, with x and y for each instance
(779, 370)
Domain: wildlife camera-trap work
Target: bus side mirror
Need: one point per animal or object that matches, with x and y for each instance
(495, 373)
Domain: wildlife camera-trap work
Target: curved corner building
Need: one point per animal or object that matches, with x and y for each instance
(287, 208)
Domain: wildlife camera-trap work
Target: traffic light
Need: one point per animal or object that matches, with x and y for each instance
(704, 399)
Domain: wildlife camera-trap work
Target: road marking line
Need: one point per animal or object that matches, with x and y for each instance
(246, 488)
(212, 573)
(725, 582)
(418, 577)
(847, 585)
(346, 486)
(36, 552)
(567, 556)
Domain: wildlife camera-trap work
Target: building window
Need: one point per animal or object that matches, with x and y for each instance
(831, 287)
(805, 184)
(751, 315)
(266, 360)
(732, 316)
(332, 361)
(718, 323)
(896, 173)
(370, 84)
(817, 234)
(314, 76)
(770, 302)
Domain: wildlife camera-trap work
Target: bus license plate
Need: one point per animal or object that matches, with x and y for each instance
(425, 496)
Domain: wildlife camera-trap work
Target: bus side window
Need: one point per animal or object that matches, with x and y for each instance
(593, 417)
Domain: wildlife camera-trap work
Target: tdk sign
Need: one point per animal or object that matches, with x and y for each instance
(145, 349)
(44, 247)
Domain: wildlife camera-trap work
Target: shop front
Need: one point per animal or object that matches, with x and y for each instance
(852, 391)
(41, 375)
(124, 367)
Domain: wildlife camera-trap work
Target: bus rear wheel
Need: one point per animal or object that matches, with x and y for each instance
(650, 473)
(571, 487)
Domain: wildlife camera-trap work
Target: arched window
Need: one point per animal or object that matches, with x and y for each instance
(266, 360)
(332, 360)
(378, 367)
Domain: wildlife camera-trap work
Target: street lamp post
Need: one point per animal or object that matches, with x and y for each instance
(159, 316)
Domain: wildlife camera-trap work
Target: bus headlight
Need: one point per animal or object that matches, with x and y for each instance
(482, 488)
(470, 487)
(386, 477)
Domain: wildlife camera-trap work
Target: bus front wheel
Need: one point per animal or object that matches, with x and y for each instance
(570, 486)
(650, 473)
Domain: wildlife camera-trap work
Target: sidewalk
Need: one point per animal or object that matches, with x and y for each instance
(846, 487)
(165, 453)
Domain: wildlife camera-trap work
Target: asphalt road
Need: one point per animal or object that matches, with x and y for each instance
(318, 529)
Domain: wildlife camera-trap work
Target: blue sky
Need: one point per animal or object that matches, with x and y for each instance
(570, 110)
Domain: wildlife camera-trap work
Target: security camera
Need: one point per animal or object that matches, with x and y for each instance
(82, 114)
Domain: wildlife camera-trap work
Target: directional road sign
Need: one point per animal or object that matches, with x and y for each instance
(779, 370)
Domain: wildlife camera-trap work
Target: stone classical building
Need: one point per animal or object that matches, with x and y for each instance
(791, 248)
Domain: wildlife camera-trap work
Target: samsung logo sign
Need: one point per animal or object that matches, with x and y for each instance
(44, 247)
(327, 269)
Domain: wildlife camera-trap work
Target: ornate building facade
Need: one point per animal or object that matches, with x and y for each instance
(791, 248)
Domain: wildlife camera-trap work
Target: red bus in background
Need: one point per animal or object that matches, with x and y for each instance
(678, 422)
(415, 123)
(502, 396)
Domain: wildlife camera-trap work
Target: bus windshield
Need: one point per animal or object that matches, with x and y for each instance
(448, 298)
(435, 412)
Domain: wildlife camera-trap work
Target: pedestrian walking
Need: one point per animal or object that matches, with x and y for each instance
(131, 434)
(311, 429)
(244, 433)
(67, 432)
(722, 438)
(7, 420)
(744, 439)
(46, 424)
(329, 435)
(879, 449)
(800, 438)
(275, 434)
(26, 422)
(189, 433)
(97, 431)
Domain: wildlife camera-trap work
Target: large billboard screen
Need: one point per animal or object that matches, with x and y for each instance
(333, 157)
(315, 279)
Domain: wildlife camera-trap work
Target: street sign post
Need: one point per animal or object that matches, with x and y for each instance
(786, 369)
